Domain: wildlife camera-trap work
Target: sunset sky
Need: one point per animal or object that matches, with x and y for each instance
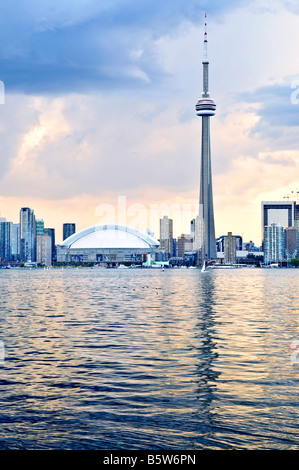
(100, 101)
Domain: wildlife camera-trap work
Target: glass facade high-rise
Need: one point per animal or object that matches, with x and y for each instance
(291, 242)
(277, 218)
(5, 240)
(40, 225)
(68, 230)
(274, 243)
(15, 242)
(51, 232)
(27, 234)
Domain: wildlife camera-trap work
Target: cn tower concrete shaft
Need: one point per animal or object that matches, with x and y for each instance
(206, 194)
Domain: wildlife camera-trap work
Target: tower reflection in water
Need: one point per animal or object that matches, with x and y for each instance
(205, 347)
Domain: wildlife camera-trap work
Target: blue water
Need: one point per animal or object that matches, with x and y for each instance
(149, 359)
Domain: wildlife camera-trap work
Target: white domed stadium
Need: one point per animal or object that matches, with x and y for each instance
(108, 244)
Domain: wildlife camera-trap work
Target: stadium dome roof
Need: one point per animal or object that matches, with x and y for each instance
(110, 236)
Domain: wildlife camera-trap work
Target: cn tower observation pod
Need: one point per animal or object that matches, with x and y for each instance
(107, 243)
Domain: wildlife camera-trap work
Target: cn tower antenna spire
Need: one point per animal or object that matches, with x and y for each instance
(205, 42)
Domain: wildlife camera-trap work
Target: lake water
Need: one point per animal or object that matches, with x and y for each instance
(149, 359)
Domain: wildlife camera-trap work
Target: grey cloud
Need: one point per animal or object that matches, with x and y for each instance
(102, 151)
(17, 117)
(89, 45)
(278, 114)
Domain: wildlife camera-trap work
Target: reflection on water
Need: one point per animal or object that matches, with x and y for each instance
(146, 359)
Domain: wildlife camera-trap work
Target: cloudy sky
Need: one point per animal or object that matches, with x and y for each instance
(99, 120)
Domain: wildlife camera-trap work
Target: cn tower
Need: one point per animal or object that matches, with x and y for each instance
(205, 107)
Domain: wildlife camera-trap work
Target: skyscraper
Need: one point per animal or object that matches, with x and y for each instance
(5, 240)
(185, 243)
(27, 234)
(166, 235)
(44, 249)
(197, 234)
(51, 232)
(40, 225)
(205, 108)
(274, 242)
(230, 248)
(15, 242)
(291, 242)
(278, 212)
(68, 230)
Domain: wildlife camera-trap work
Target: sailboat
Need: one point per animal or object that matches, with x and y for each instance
(203, 266)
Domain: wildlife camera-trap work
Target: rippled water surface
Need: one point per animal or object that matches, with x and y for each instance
(147, 359)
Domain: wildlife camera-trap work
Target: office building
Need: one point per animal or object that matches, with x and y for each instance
(166, 235)
(230, 248)
(281, 213)
(184, 244)
(197, 237)
(291, 242)
(44, 249)
(68, 230)
(40, 225)
(15, 242)
(175, 247)
(278, 212)
(205, 108)
(5, 240)
(27, 234)
(274, 243)
(51, 233)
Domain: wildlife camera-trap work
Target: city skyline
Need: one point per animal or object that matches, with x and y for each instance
(284, 213)
(79, 129)
(30, 241)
